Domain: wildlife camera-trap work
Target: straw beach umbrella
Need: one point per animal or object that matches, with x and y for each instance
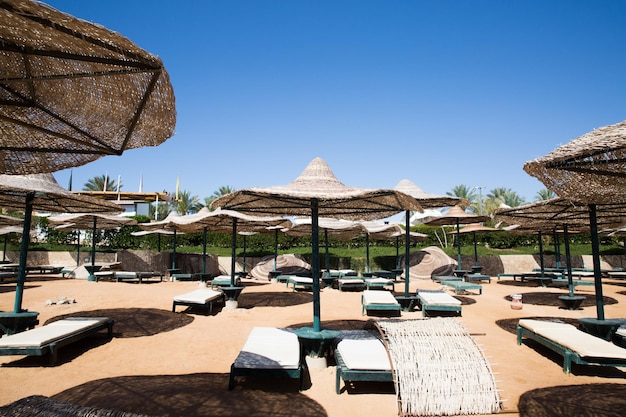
(41, 192)
(473, 228)
(93, 221)
(318, 193)
(221, 220)
(115, 96)
(428, 202)
(457, 216)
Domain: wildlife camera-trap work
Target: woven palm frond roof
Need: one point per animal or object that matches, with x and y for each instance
(428, 200)
(317, 183)
(72, 91)
(589, 169)
(48, 196)
(548, 214)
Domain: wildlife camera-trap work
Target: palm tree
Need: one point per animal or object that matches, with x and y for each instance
(506, 196)
(98, 184)
(463, 191)
(187, 203)
(544, 194)
(223, 190)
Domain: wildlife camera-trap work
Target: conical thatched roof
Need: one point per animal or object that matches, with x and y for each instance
(318, 183)
(84, 221)
(72, 91)
(589, 169)
(428, 200)
(547, 214)
(49, 196)
(222, 220)
(338, 228)
(456, 215)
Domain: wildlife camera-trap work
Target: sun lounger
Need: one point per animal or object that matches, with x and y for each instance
(573, 344)
(463, 286)
(50, 337)
(362, 360)
(131, 275)
(350, 283)
(224, 281)
(380, 283)
(379, 301)
(299, 282)
(202, 297)
(437, 301)
(269, 352)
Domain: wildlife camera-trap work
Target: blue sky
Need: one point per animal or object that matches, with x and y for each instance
(438, 92)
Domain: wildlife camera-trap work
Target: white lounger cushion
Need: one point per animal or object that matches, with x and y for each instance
(567, 335)
(300, 280)
(48, 333)
(270, 348)
(379, 280)
(365, 354)
(438, 298)
(378, 297)
(344, 281)
(199, 296)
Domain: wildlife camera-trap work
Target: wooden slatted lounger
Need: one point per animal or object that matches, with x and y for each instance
(269, 352)
(440, 301)
(362, 360)
(49, 338)
(299, 282)
(380, 301)
(573, 344)
(202, 297)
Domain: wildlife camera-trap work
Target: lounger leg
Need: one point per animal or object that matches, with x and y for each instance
(231, 379)
(338, 381)
(567, 362)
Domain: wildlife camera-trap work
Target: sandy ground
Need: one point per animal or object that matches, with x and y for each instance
(177, 364)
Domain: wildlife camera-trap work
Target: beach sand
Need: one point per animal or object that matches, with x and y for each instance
(177, 364)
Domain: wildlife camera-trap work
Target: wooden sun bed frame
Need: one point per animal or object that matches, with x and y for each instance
(370, 356)
(269, 352)
(444, 303)
(379, 301)
(202, 297)
(573, 344)
(26, 343)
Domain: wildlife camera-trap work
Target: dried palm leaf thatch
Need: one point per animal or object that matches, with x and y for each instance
(72, 91)
(318, 184)
(589, 169)
(549, 214)
(428, 200)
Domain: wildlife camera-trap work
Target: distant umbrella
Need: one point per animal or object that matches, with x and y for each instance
(457, 216)
(473, 229)
(41, 192)
(93, 221)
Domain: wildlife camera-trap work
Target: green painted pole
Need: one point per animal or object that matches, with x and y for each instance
(233, 252)
(595, 254)
(407, 264)
(568, 257)
(21, 271)
(315, 250)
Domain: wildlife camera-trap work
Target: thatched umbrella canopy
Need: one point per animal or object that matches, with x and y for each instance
(318, 193)
(428, 201)
(457, 216)
(72, 91)
(93, 221)
(157, 232)
(170, 224)
(221, 220)
(473, 228)
(41, 192)
(590, 169)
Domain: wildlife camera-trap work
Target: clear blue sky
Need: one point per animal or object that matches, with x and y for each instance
(438, 92)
